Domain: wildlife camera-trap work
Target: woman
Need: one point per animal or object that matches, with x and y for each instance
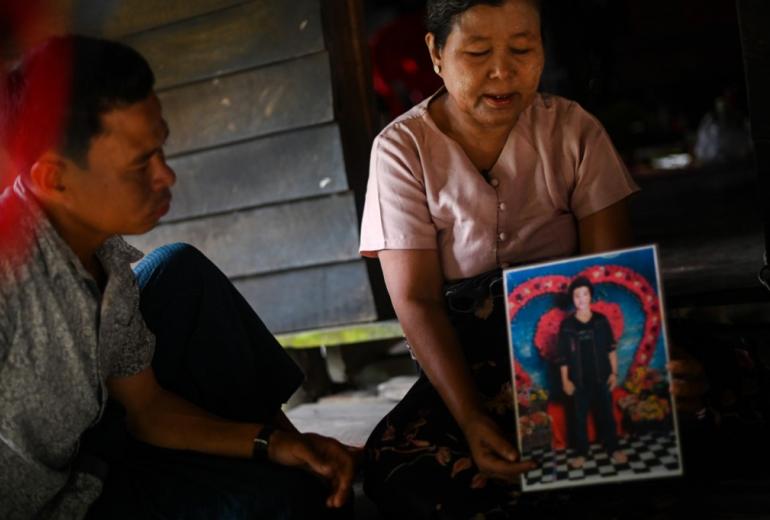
(484, 174)
(588, 366)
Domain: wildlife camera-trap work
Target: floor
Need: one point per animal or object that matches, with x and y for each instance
(349, 417)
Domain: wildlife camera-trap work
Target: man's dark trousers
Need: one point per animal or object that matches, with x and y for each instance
(214, 351)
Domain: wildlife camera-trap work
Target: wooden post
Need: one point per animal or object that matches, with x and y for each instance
(345, 37)
(754, 22)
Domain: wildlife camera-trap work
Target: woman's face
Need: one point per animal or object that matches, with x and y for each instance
(581, 297)
(491, 62)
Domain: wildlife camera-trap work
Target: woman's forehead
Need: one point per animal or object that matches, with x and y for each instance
(514, 19)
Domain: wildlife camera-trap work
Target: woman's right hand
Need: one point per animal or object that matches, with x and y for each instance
(414, 280)
(494, 455)
(569, 387)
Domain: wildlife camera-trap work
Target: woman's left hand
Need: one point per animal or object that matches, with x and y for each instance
(689, 384)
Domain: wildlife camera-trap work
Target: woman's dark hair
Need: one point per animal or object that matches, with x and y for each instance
(580, 281)
(56, 96)
(440, 15)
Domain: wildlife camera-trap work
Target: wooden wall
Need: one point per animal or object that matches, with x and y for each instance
(265, 176)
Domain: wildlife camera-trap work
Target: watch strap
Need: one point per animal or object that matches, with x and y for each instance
(262, 443)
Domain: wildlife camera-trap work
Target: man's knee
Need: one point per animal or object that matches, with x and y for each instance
(176, 262)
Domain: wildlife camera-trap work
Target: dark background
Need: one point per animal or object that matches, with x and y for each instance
(652, 72)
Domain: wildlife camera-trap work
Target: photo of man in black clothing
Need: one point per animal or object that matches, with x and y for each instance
(588, 366)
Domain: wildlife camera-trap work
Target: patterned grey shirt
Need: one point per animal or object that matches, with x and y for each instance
(60, 339)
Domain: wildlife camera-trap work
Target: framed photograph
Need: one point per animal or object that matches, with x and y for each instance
(589, 350)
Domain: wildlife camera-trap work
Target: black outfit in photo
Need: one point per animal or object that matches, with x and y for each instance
(584, 348)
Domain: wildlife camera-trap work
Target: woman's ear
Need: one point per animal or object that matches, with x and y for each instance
(435, 53)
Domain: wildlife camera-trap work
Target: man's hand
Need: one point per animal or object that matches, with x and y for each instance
(569, 386)
(495, 457)
(163, 419)
(317, 454)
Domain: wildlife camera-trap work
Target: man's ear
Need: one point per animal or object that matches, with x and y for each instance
(47, 176)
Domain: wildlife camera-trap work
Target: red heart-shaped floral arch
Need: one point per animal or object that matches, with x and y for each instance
(548, 325)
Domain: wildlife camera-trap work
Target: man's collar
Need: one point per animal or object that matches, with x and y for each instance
(117, 249)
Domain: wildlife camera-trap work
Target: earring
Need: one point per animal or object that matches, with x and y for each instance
(437, 68)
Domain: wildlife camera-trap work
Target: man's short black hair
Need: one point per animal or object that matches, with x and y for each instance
(440, 15)
(57, 94)
(580, 281)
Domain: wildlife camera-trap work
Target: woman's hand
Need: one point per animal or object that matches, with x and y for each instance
(414, 280)
(612, 382)
(323, 456)
(568, 386)
(494, 455)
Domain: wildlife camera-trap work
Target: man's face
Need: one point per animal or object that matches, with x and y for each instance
(126, 187)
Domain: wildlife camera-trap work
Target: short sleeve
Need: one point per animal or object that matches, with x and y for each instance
(602, 178)
(134, 344)
(396, 213)
(5, 333)
(136, 354)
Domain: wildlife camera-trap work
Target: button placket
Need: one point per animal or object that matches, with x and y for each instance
(501, 236)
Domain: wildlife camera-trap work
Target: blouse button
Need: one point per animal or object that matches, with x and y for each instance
(501, 236)
(501, 206)
(494, 182)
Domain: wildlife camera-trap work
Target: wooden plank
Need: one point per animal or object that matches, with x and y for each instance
(115, 18)
(320, 296)
(707, 225)
(726, 263)
(342, 335)
(272, 99)
(286, 236)
(241, 37)
(701, 202)
(273, 169)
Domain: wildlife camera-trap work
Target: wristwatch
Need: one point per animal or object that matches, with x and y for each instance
(261, 443)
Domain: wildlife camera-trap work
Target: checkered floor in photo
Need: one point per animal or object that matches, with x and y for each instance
(651, 454)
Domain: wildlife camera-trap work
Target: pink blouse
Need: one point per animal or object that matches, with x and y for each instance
(557, 167)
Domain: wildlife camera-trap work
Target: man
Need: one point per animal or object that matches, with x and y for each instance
(85, 132)
(588, 364)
